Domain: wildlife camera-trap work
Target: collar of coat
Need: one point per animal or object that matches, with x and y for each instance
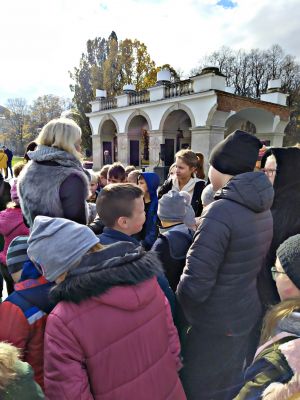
(121, 263)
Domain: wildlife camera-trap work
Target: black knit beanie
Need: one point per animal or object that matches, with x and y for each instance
(289, 257)
(236, 154)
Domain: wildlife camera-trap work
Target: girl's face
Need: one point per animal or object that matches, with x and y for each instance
(143, 185)
(182, 170)
(93, 188)
(285, 286)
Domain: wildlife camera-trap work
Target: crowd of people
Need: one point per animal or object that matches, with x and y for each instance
(120, 287)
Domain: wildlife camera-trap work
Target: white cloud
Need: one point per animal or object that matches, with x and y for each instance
(42, 40)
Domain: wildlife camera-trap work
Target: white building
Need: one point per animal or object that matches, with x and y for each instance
(136, 127)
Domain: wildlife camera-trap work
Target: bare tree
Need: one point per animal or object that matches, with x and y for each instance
(17, 115)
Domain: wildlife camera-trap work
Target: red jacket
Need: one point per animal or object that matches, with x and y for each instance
(23, 317)
(119, 345)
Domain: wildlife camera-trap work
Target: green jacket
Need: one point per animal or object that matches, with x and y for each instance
(23, 387)
(269, 366)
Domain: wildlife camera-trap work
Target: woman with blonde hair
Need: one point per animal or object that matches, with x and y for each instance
(54, 182)
(185, 179)
(274, 373)
(16, 377)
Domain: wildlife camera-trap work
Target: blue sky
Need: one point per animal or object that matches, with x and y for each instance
(42, 40)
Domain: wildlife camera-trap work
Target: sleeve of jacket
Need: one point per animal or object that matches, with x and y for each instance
(65, 374)
(14, 327)
(174, 343)
(204, 258)
(165, 188)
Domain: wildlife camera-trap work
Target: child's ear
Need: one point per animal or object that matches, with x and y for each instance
(122, 222)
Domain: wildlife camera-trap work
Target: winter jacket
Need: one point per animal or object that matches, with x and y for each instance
(285, 211)
(23, 317)
(217, 289)
(53, 184)
(150, 228)
(3, 161)
(10, 155)
(172, 246)
(277, 362)
(11, 226)
(22, 387)
(110, 236)
(196, 198)
(111, 335)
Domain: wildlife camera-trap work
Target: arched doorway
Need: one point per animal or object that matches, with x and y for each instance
(138, 137)
(177, 134)
(109, 148)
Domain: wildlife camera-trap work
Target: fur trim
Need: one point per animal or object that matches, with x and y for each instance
(98, 279)
(279, 391)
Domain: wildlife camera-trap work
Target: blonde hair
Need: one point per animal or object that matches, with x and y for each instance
(275, 314)
(62, 133)
(9, 355)
(94, 177)
(17, 168)
(95, 248)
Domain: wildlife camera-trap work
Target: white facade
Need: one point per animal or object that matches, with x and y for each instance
(197, 113)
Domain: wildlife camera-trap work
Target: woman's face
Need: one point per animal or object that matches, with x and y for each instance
(77, 145)
(182, 170)
(285, 286)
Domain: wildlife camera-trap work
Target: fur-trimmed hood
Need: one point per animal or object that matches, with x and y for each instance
(119, 264)
(279, 391)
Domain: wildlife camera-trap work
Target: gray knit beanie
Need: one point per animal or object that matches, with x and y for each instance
(176, 206)
(57, 245)
(289, 257)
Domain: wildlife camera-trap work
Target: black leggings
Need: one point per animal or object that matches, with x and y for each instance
(8, 279)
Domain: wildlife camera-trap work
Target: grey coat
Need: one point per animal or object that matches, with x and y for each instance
(40, 182)
(218, 288)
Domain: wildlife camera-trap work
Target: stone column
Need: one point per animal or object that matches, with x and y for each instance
(204, 139)
(97, 152)
(156, 138)
(123, 148)
(275, 138)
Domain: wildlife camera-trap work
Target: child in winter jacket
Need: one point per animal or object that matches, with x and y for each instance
(11, 226)
(111, 334)
(16, 377)
(149, 182)
(274, 374)
(23, 314)
(176, 234)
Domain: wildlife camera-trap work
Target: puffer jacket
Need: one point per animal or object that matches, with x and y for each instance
(218, 287)
(11, 226)
(53, 184)
(285, 211)
(111, 335)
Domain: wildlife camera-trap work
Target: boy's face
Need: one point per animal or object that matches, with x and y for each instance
(114, 179)
(143, 185)
(103, 181)
(134, 224)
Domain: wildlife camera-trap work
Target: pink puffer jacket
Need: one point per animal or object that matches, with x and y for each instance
(11, 226)
(121, 345)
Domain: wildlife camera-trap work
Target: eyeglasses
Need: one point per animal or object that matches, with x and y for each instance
(269, 172)
(275, 273)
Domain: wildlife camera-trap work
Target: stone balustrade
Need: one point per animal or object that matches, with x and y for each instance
(180, 88)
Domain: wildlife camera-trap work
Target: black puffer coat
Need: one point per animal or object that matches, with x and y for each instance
(286, 213)
(218, 287)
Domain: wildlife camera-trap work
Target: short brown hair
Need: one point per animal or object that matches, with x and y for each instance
(17, 168)
(188, 157)
(116, 170)
(115, 201)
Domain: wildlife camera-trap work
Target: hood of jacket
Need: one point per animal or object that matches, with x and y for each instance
(61, 157)
(251, 189)
(11, 219)
(152, 181)
(119, 264)
(179, 238)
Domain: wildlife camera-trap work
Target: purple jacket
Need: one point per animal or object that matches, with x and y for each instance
(119, 344)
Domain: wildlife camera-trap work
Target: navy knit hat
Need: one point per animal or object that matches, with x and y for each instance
(236, 154)
(17, 254)
(289, 257)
